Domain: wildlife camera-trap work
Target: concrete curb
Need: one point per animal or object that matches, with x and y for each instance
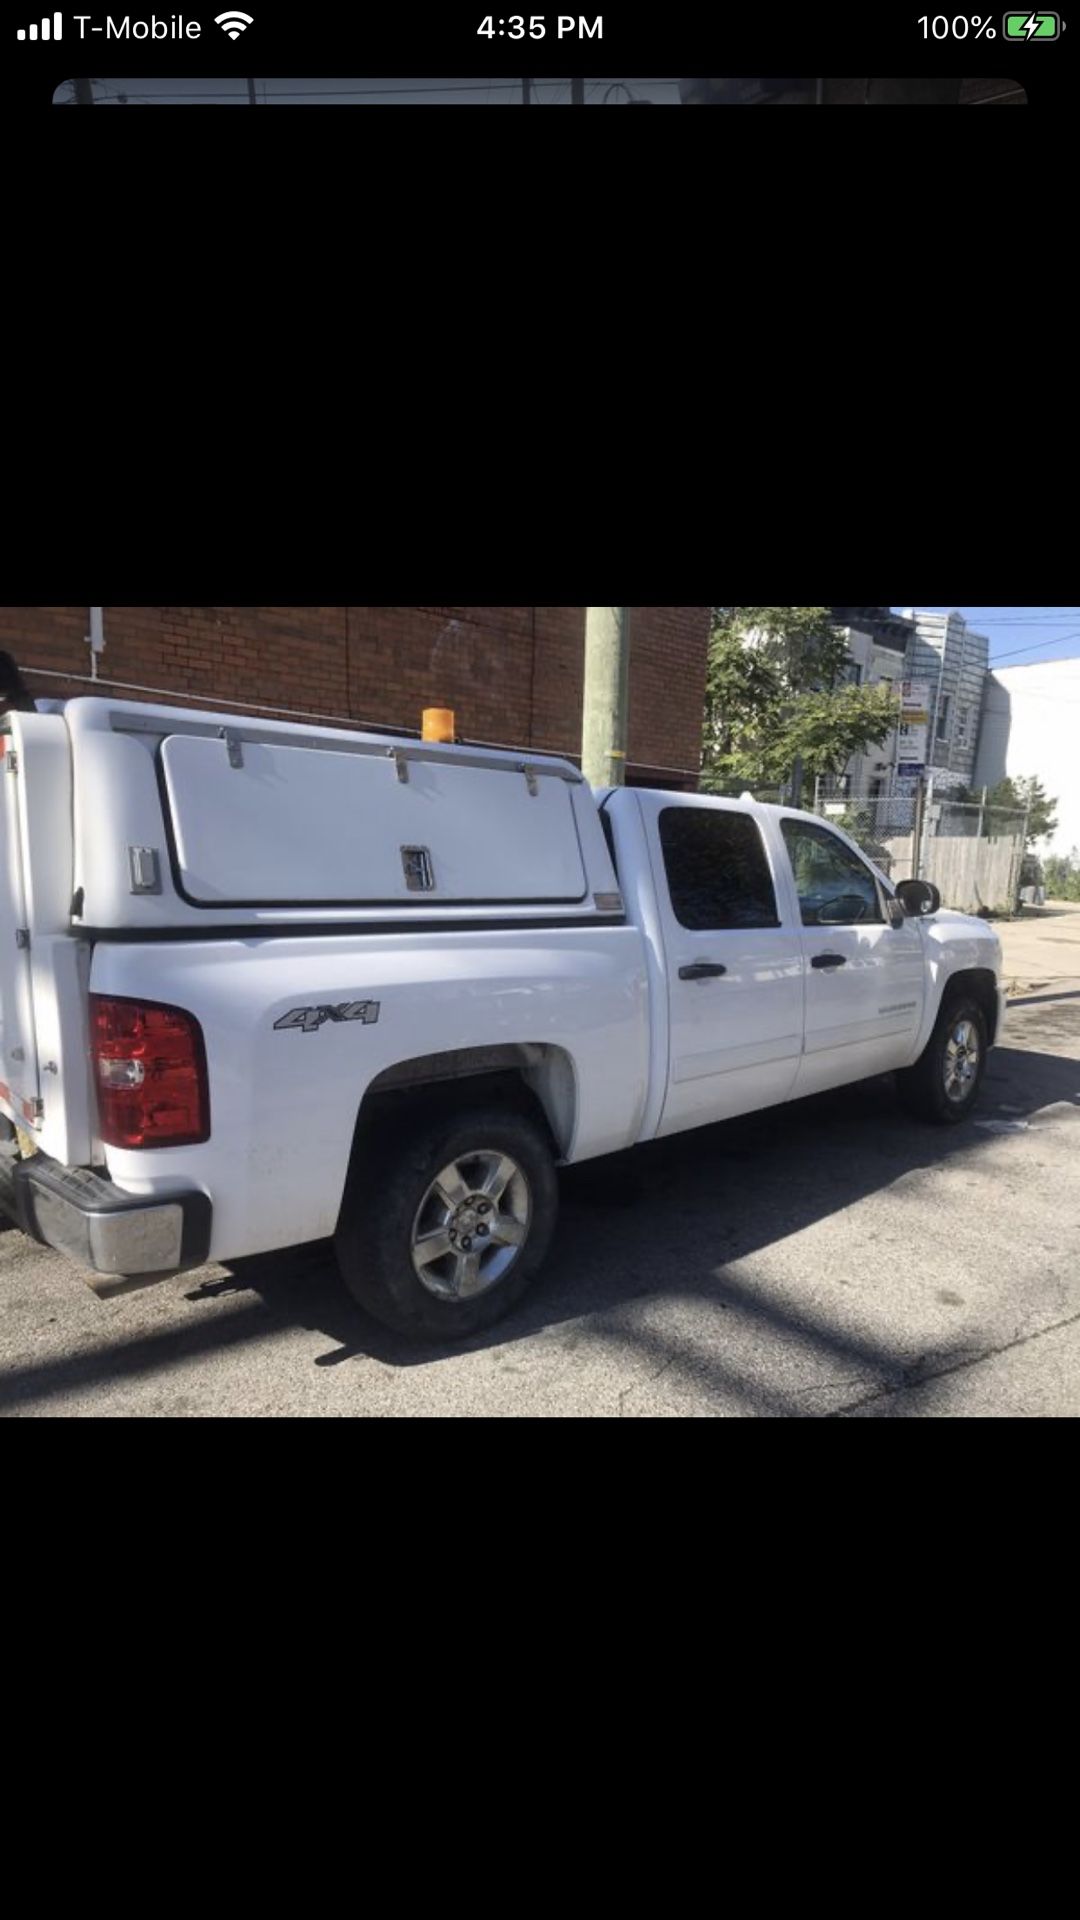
(1032, 993)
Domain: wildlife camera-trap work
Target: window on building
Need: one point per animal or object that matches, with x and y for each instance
(963, 723)
(835, 888)
(943, 717)
(717, 872)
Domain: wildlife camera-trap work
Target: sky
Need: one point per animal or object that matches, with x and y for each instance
(1022, 636)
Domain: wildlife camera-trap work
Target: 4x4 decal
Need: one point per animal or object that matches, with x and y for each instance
(310, 1019)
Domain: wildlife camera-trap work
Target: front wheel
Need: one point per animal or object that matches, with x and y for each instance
(443, 1228)
(944, 1083)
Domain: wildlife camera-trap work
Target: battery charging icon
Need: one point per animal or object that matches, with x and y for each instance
(1032, 26)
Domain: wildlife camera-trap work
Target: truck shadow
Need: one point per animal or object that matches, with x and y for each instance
(674, 1222)
(682, 1215)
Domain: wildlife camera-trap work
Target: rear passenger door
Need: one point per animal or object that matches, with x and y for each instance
(734, 968)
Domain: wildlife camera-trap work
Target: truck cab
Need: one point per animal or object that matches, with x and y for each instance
(781, 960)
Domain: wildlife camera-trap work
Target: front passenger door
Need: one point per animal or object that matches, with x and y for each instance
(865, 978)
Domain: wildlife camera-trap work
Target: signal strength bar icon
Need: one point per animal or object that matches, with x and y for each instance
(53, 31)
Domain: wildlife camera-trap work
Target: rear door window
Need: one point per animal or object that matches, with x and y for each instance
(717, 871)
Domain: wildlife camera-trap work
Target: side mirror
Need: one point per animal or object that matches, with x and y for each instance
(918, 898)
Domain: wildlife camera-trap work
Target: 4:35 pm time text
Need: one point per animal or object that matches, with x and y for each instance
(533, 26)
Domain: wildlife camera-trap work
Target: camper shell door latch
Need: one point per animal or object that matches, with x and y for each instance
(144, 870)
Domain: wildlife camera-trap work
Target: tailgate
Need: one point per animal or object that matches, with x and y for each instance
(44, 1072)
(19, 1088)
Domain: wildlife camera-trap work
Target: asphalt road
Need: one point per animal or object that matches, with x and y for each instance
(828, 1258)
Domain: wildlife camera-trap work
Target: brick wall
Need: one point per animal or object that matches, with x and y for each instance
(511, 674)
(667, 686)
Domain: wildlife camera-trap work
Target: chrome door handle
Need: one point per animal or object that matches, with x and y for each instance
(701, 970)
(829, 960)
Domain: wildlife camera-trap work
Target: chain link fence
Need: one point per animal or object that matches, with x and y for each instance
(973, 854)
(883, 828)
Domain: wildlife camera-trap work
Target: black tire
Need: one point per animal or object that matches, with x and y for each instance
(392, 1177)
(9, 1160)
(923, 1087)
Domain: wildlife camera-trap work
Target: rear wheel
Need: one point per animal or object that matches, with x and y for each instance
(444, 1225)
(9, 1160)
(944, 1083)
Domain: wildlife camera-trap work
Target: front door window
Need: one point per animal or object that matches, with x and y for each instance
(835, 887)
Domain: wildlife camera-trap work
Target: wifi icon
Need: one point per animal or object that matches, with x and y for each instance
(233, 23)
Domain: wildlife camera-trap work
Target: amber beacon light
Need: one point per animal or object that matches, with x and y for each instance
(438, 724)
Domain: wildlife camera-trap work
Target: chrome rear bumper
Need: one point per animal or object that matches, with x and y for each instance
(124, 1239)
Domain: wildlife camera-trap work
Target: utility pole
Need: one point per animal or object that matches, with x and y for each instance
(1016, 903)
(252, 102)
(917, 826)
(526, 91)
(607, 696)
(924, 816)
(577, 93)
(84, 93)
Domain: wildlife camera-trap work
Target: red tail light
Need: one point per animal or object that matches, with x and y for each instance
(150, 1073)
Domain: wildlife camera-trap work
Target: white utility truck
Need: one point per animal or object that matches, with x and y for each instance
(262, 984)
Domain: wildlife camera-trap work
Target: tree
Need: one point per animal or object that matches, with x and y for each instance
(1062, 875)
(1026, 795)
(776, 691)
(825, 729)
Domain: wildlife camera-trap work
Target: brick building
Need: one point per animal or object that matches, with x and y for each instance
(513, 675)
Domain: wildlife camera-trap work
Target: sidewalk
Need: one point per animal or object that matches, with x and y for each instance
(1042, 951)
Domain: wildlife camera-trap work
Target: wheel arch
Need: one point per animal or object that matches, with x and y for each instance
(981, 983)
(530, 1075)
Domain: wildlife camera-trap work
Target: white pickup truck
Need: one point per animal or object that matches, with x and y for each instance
(262, 984)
